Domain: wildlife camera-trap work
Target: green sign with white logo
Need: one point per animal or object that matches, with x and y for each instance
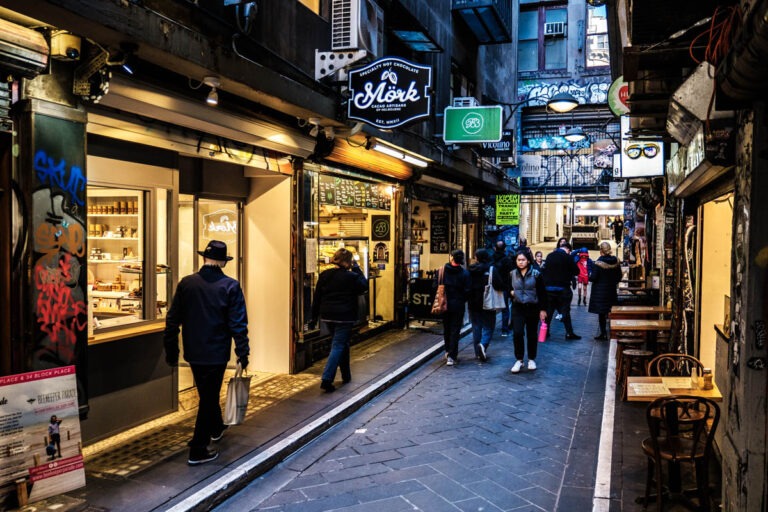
(470, 125)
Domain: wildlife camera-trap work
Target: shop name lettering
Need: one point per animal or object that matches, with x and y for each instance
(225, 226)
(421, 299)
(385, 93)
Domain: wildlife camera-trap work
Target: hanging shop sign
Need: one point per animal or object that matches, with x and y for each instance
(508, 210)
(618, 93)
(389, 93)
(41, 439)
(640, 158)
(472, 125)
(341, 192)
(501, 149)
(530, 166)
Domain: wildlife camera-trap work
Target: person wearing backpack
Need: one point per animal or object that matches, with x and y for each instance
(483, 320)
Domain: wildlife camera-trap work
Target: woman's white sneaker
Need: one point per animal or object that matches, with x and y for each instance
(531, 364)
(517, 367)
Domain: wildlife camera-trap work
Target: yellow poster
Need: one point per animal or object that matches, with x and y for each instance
(508, 210)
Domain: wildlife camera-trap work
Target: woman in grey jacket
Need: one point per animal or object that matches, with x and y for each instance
(529, 306)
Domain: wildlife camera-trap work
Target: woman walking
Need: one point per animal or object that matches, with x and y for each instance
(529, 306)
(335, 304)
(457, 284)
(483, 320)
(605, 276)
(585, 265)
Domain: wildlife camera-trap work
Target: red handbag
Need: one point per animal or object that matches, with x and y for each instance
(440, 304)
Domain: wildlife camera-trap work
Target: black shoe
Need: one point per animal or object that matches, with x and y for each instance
(572, 336)
(217, 437)
(327, 386)
(601, 337)
(201, 456)
(346, 380)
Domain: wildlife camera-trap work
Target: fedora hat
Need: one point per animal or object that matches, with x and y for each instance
(216, 250)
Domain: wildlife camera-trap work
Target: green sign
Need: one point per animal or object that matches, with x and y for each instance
(472, 124)
(508, 210)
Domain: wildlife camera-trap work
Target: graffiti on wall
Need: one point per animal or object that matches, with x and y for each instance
(58, 274)
(587, 91)
(566, 171)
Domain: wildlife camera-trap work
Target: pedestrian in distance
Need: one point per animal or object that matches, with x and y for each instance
(559, 270)
(538, 261)
(483, 320)
(504, 264)
(335, 305)
(605, 277)
(585, 265)
(529, 307)
(54, 437)
(209, 309)
(522, 246)
(457, 287)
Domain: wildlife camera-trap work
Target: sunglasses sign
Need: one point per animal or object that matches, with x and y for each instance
(640, 158)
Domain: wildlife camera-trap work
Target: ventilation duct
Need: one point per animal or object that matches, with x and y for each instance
(23, 52)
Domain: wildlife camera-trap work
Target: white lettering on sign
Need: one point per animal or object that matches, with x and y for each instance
(223, 226)
(386, 94)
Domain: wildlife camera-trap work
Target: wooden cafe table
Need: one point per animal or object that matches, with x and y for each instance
(639, 324)
(639, 312)
(648, 389)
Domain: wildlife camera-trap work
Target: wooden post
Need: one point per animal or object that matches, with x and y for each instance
(21, 492)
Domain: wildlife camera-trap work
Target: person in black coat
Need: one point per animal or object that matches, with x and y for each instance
(209, 308)
(483, 320)
(605, 277)
(529, 307)
(504, 264)
(335, 304)
(559, 270)
(457, 285)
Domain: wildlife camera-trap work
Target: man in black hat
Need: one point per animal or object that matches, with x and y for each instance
(209, 306)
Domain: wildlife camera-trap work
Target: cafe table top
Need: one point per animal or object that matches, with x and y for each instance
(639, 324)
(641, 310)
(648, 389)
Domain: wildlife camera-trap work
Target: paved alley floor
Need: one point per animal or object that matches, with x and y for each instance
(469, 437)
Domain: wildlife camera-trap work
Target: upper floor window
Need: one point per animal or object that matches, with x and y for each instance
(461, 85)
(597, 37)
(542, 38)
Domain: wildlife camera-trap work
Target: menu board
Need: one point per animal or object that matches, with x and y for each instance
(359, 194)
(440, 231)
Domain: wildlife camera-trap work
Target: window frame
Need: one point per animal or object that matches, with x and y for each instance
(588, 35)
(542, 9)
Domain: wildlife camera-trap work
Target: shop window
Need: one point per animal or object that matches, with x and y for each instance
(219, 220)
(128, 274)
(597, 37)
(542, 38)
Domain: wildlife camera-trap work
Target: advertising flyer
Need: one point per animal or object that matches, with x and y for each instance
(40, 438)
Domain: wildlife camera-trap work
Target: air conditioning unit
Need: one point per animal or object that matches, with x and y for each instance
(507, 162)
(357, 25)
(466, 101)
(554, 29)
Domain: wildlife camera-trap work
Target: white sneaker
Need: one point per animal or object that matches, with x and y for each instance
(531, 364)
(450, 362)
(558, 316)
(483, 356)
(517, 367)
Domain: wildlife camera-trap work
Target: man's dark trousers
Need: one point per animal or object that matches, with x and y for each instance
(208, 380)
(560, 300)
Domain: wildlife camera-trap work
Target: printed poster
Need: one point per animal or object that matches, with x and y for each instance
(33, 407)
(508, 210)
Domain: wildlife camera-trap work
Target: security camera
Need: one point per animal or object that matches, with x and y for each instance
(72, 53)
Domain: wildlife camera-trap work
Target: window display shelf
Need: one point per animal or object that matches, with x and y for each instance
(113, 238)
(111, 262)
(134, 215)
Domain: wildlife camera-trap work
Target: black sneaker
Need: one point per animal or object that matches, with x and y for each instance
(202, 456)
(572, 336)
(217, 437)
(327, 386)
(601, 337)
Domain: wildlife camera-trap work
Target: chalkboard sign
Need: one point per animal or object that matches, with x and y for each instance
(358, 194)
(420, 297)
(440, 231)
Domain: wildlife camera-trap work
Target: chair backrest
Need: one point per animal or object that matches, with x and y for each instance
(673, 365)
(683, 426)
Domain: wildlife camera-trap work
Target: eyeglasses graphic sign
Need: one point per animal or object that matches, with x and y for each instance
(641, 158)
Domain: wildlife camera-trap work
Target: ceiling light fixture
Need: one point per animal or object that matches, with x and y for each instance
(575, 134)
(396, 153)
(562, 102)
(213, 96)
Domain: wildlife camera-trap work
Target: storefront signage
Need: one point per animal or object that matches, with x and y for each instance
(530, 166)
(220, 225)
(472, 125)
(390, 92)
(33, 407)
(342, 192)
(421, 295)
(508, 210)
(440, 231)
(501, 149)
(380, 227)
(640, 158)
(617, 97)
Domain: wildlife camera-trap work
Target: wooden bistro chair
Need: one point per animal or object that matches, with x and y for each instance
(681, 430)
(674, 365)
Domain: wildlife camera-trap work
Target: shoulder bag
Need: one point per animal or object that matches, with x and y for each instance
(492, 299)
(440, 304)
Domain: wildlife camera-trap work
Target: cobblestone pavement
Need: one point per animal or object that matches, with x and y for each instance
(470, 437)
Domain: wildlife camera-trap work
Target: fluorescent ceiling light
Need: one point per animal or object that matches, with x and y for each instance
(396, 153)
(438, 183)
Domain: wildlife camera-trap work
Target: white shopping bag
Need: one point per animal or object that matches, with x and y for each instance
(238, 390)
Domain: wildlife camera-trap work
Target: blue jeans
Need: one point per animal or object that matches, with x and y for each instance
(505, 312)
(483, 323)
(341, 333)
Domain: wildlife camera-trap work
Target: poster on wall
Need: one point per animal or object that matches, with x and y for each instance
(40, 435)
(440, 229)
(380, 227)
(508, 210)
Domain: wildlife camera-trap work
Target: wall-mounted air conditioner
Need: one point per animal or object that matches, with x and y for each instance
(554, 29)
(357, 25)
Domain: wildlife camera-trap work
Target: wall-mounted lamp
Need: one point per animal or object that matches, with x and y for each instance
(396, 153)
(575, 134)
(213, 96)
(562, 102)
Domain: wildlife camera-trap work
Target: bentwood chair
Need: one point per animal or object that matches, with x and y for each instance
(681, 430)
(674, 365)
